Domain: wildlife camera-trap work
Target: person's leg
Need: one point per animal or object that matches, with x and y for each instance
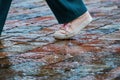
(67, 10)
(4, 8)
(71, 12)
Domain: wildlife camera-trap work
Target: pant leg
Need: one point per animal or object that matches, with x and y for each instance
(4, 8)
(67, 10)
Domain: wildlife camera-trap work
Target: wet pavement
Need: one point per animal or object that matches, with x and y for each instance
(28, 50)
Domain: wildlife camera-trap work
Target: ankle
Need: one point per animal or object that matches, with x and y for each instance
(84, 18)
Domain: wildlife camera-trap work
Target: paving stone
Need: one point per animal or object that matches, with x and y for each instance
(18, 48)
(28, 50)
(112, 36)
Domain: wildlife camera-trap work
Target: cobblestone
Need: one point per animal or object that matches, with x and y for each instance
(28, 50)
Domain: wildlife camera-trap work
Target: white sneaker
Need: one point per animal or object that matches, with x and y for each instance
(73, 28)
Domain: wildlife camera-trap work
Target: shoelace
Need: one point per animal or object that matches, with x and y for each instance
(65, 26)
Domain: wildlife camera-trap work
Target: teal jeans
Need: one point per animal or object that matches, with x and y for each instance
(64, 10)
(67, 10)
(4, 8)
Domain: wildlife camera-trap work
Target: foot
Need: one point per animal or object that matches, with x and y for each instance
(73, 28)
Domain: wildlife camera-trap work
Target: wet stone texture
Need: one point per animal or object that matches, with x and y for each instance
(28, 50)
